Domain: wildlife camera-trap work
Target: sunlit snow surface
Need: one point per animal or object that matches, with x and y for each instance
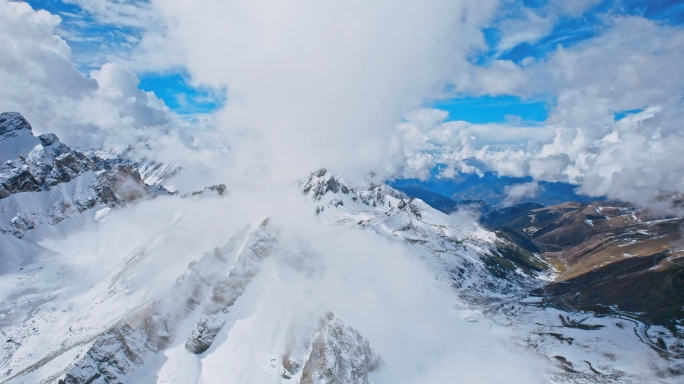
(408, 278)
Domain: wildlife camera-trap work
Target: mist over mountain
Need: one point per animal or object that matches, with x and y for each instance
(101, 276)
(341, 192)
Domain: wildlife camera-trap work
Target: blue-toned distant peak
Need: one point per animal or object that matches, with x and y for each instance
(488, 188)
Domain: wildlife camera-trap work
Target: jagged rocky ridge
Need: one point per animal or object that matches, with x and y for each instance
(44, 182)
(500, 273)
(328, 351)
(154, 174)
(477, 262)
(50, 163)
(155, 326)
(231, 286)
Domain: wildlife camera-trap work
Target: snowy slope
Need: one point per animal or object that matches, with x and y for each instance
(345, 285)
(119, 328)
(585, 348)
(457, 248)
(44, 182)
(249, 311)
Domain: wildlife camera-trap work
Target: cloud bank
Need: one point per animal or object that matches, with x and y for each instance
(314, 84)
(614, 122)
(41, 82)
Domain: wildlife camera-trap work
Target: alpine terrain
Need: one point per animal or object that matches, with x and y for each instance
(109, 277)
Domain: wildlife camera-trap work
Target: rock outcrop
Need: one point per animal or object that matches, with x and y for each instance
(43, 181)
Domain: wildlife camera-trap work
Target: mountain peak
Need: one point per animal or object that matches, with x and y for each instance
(320, 182)
(11, 122)
(16, 136)
(48, 139)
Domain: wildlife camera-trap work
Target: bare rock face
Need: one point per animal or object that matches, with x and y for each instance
(16, 137)
(36, 163)
(43, 181)
(111, 357)
(127, 183)
(335, 354)
(216, 190)
(230, 287)
(123, 348)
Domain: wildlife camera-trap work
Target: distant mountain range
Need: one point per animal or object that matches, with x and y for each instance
(487, 191)
(612, 257)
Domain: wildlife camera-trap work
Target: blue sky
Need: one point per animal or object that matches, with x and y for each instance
(489, 109)
(176, 91)
(93, 41)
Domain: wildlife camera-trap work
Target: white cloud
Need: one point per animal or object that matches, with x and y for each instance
(41, 82)
(156, 52)
(497, 78)
(518, 192)
(528, 28)
(518, 23)
(426, 139)
(315, 84)
(633, 65)
(121, 13)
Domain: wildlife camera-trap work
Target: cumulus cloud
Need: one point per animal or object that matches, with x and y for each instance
(633, 65)
(41, 82)
(426, 140)
(528, 28)
(315, 84)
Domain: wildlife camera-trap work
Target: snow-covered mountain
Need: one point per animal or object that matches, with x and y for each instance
(44, 183)
(487, 263)
(59, 182)
(341, 283)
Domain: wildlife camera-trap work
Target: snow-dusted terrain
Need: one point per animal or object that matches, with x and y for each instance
(108, 278)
